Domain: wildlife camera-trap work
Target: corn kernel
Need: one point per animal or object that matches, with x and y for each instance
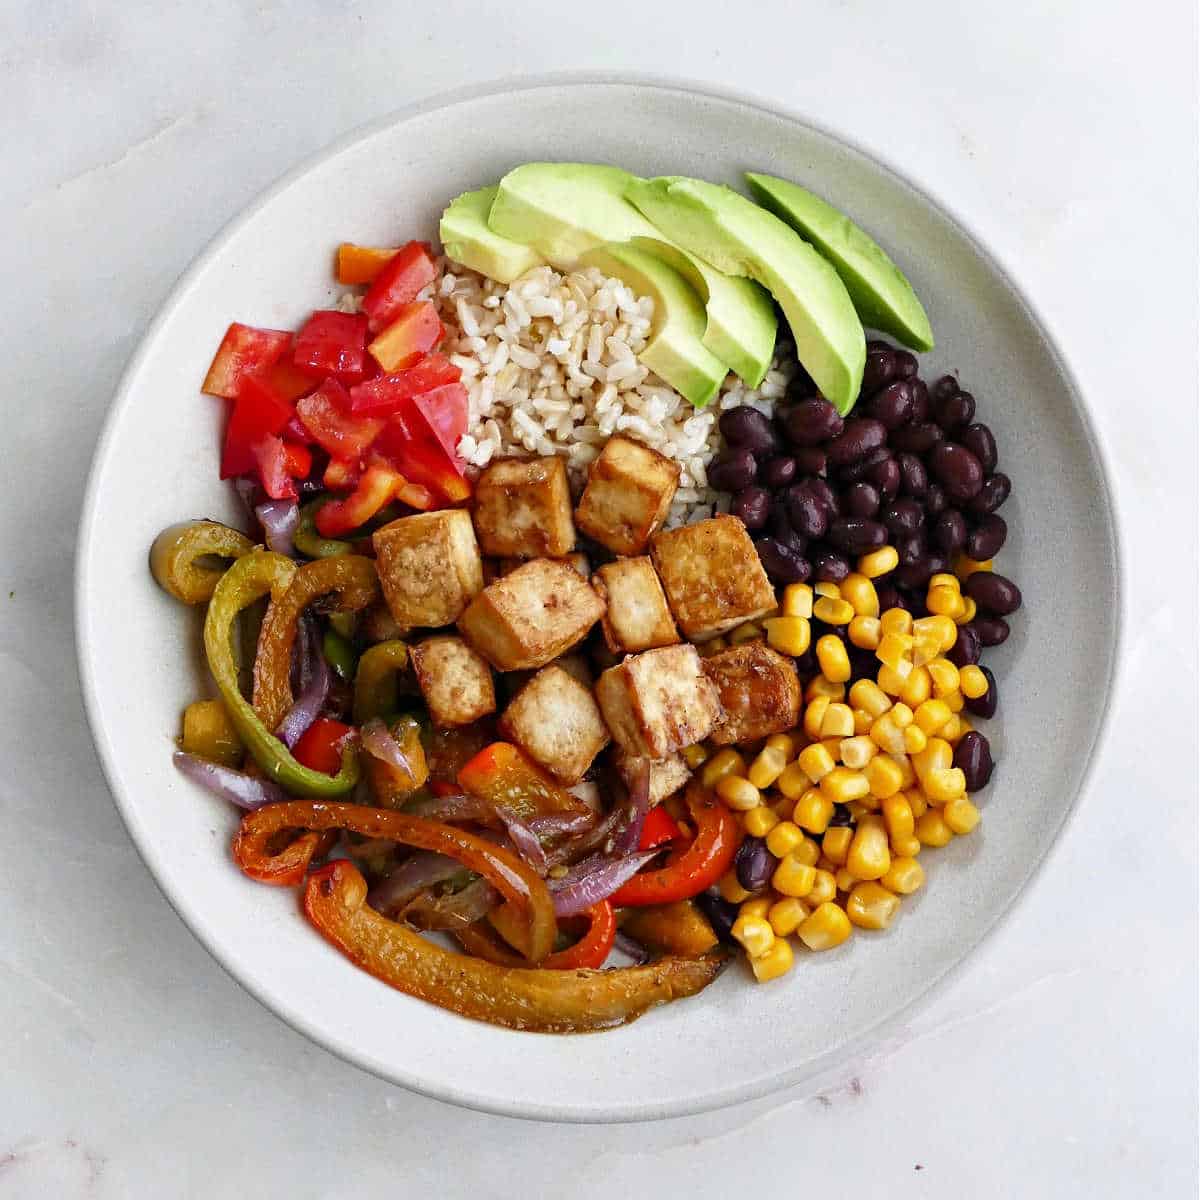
(724, 762)
(833, 659)
(906, 847)
(740, 794)
(825, 588)
(905, 876)
(836, 844)
(783, 838)
(953, 729)
(833, 611)
(862, 721)
(820, 686)
(887, 735)
(797, 600)
(932, 830)
(901, 714)
(845, 879)
(826, 864)
(926, 647)
(954, 701)
(826, 926)
(869, 696)
(794, 781)
(894, 650)
(783, 743)
(884, 776)
(759, 822)
(807, 853)
(767, 767)
(694, 755)
(944, 675)
(872, 906)
(756, 906)
(857, 751)
(777, 961)
(815, 761)
(788, 635)
(865, 632)
(965, 567)
(971, 681)
(754, 933)
(969, 611)
(838, 722)
(793, 878)
(916, 801)
(898, 621)
(944, 579)
(937, 755)
(869, 856)
(892, 681)
(932, 715)
(731, 890)
(942, 786)
(906, 769)
(814, 716)
(842, 785)
(824, 888)
(879, 562)
(918, 687)
(786, 914)
(961, 815)
(944, 601)
(914, 739)
(813, 811)
(859, 592)
(897, 817)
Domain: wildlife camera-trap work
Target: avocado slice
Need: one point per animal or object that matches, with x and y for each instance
(737, 237)
(466, 239)
(565, 209)
(884, 298)
(675, 350)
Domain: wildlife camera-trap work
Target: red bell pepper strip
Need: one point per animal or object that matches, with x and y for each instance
(444, 412)
(423, 460)
(332, 343)
(243, 351)
(658, 828)
(258, 412)
(320, 747)
(361, 264)
(386, 394)
(588, 952)
(327, 417)
(297, 460)
(688, 872)
(374, 490)
(415, 331)
(271, 458)
(289, 382)
(410, 269)
(342, 474)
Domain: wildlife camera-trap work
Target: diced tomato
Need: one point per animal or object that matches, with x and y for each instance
(320, 747)
(658, 829)
(297, 459)
(342, 474)
(444, 411)
(374, 490)
(258, 412)
(414, 332)
(409, 270)
(288, 381)
(361, 264)
(243, 351)
(327, 417)
(386, 394)
(333, 343)
(271, 458)
(422, 459)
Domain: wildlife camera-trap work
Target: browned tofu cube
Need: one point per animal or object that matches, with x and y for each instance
(523, 508)
(577, 562)
(455, 681)
(712, 576)
(429, 567)
(759, 690)
(638, 617)
(658, 702)
(531, 616)
(629, 489)
(667, 775)
(556, 721)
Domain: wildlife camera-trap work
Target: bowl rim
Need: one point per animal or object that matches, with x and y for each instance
(659, 81)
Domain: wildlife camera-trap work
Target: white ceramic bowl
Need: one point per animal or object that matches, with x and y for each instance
(141, 661)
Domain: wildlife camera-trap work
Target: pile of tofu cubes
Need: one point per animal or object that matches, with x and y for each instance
(507, 575)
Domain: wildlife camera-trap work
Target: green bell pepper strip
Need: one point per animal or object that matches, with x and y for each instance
(339, 654)
(375, 691)
(253, 576)
(309, 542)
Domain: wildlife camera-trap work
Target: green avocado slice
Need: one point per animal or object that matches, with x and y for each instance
(884, 298)
(466, 239)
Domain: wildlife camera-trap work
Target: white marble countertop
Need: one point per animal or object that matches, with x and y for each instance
(1061, 1062)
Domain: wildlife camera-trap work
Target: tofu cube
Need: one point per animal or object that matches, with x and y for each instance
(429, 567)
(658, 702)
(455, 681)
(556, 721)
(759, 690)
(667, 775)
(638, 617)
(523, 508)
(629, 489)
(712, 576)
(577, 562)
(535, 614)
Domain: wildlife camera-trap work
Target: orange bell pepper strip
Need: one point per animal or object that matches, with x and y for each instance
(536, 1000)
(689, 871)
(589, 951)
(517, 882)
(361, 264)
(503, 777)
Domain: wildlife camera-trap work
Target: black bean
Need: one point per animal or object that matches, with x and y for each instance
(732, 469)
(920, 409)
(956, 469)
(916, 439)
(914, 479)
(967, 648)
(893, 405)
(915, 575)
(809, 460)
(995, 491)
(806, 664)
(854, 536)
(985, 705)
(878, 370)
(807, 510)
(906, 364)
(781, 562)
(902, 516)
(822, 488)
(841, 816)
(753, 505)
(853, 472)
(721, 915)
(812, 422)
(860, 500)
(754, 864)
(954, 411)
(779, 523)
(946, 386)
(979, 440)
(863, 663)
(910, 547)
(885, 475)
(949, 532)
(987, 537)
(748, 429)
(992, 631)
(830, 567)
(935, 499)
(889, 596)
(778, 472)
(973, 756)
(858, 438)
(994, 594)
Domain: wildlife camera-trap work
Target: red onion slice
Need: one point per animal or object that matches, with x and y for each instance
(279, 519)
(455, 910)
(316, 680)
(457, 807)
(528, 845)
(379, 743)
(576, 892)
(638, 805)
(563, 824)
(246, 791)
(419, 871)
(632, 949)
